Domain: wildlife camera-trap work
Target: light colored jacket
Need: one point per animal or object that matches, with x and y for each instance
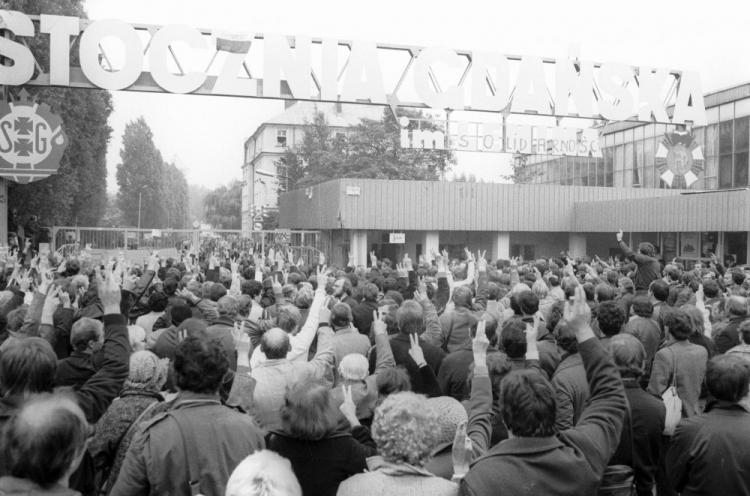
(386, 479)
(272, 377)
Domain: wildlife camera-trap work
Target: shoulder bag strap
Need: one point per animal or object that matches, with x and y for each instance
(674, 368)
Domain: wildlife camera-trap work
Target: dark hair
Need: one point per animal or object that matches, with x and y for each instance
(310, 412)
(158, 301)
(513, 338)
(392, 380)
(628, 353)
(528, 404)
(370, 292)
(493, 291)
(660, 290)
(566, 337)
(745, 332)
(604, 292)
(410, 317)
(728, 377)
(42, 450)
(710, 288)
(462, 297)
(16, 317)
(180, 313)
(216, 292)
(610, 316)
(348, 287)
(678, 322)
(28, 366)
(252, 288)
(646, 249)
(341, 315)
(642, 307)
(524, 303)
(169, 287)
(738, 277)
(555, 315)
(288, 318)
(200, 364)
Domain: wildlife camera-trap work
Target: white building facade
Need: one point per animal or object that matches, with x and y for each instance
(263, 178)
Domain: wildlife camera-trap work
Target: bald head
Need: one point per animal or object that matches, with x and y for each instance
(275, 343)
(45, 441)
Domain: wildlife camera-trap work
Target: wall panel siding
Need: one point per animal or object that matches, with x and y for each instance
(451, 206)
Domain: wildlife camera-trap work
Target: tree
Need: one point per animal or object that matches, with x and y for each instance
(176, 196)
(196, 194)
(112, 216)
(222, 207)
(463, 177)
(140, 177)
(77, 194)
(371, 150)
(522, 172)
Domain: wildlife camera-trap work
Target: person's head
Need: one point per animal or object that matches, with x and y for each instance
(169, 287)
(354, 367)
(288, 318)
(677, 323)
(672, 272)
(647, 249)
(341, 316)
(493, 291)
(462, 297)
(388, 309)
(738, 277)
(450, 413)
(264, 473)
(744, 331)
(16, 318)
(528, 404)
(611, 317)
(405, 430)
(304, 297)
(392, 380)
(87, 335)
(590, 291)
(252, 288)
(27, 366)
(147, 372)
(642, 307)
(626, 285)
(179, 313)
(628, 354)
(342, 287)
(566, 337)
(137, 337)
(227, 306)
(46, 440)
(660, 290)
(158, 301)
(513, 338)
(200, 364)
(216, 292)
(696, 318)
(728, 378)
(604, 292)
(736, 306)
(711, 288)
(275, 343)
(524, 303)
(370, 292)
(539, 288)
(410, 317)
(310, 412)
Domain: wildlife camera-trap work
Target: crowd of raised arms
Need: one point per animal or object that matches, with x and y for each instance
(222, 371)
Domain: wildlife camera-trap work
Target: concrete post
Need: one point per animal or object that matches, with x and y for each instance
(576, 245)
(359, 247)
(430, 243)
(501, 246)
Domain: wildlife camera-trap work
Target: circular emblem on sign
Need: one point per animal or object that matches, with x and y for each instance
(679, 159)
(31, 140)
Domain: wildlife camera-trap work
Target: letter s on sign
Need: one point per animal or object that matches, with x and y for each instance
(22, 69)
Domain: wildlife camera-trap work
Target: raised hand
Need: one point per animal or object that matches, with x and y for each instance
(415, 351)
(109, 291)
(348, 408)
(482, 261)
(408, 266)
(480, 343)
(321, 277)
(619, 235)
(577, 314)
(420, 294)
(373, 259)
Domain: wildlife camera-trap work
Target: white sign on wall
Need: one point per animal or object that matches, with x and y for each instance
(397, 238)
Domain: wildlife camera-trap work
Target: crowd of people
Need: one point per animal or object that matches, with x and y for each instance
(228, 372)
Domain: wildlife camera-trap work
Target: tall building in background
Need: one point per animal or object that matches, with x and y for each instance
(262, 178)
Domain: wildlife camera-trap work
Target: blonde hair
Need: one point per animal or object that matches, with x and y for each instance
(405, 428)
(264, 473)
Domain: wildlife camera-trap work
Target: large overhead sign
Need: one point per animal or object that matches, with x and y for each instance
(160, 58)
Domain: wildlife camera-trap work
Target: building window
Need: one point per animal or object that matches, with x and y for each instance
(741, 138)
(525, 251)
(340, 135)
(281, 137)
(725, 154)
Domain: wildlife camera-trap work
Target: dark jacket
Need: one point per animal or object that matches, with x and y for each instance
(400, 346)
(454, 372)
(222, 329)
(571, 391)
(648, 333)
(572, 462)
(728, 337)
(74, 370)
(640, 443)
(12, 486)
(157, 461)
(710, 453)
(648, 269)
(320, 466)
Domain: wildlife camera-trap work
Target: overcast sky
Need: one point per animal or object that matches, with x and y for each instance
(205, 134)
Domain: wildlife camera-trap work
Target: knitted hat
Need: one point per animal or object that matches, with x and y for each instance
(147, 372)
(450, 413)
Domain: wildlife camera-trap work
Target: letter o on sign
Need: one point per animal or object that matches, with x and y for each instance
(89, 52)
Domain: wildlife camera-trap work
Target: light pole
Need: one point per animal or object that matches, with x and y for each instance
(139, 210)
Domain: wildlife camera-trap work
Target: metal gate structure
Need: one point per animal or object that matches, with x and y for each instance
(69, 240)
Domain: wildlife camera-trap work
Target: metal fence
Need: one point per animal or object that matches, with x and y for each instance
(68, 240)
